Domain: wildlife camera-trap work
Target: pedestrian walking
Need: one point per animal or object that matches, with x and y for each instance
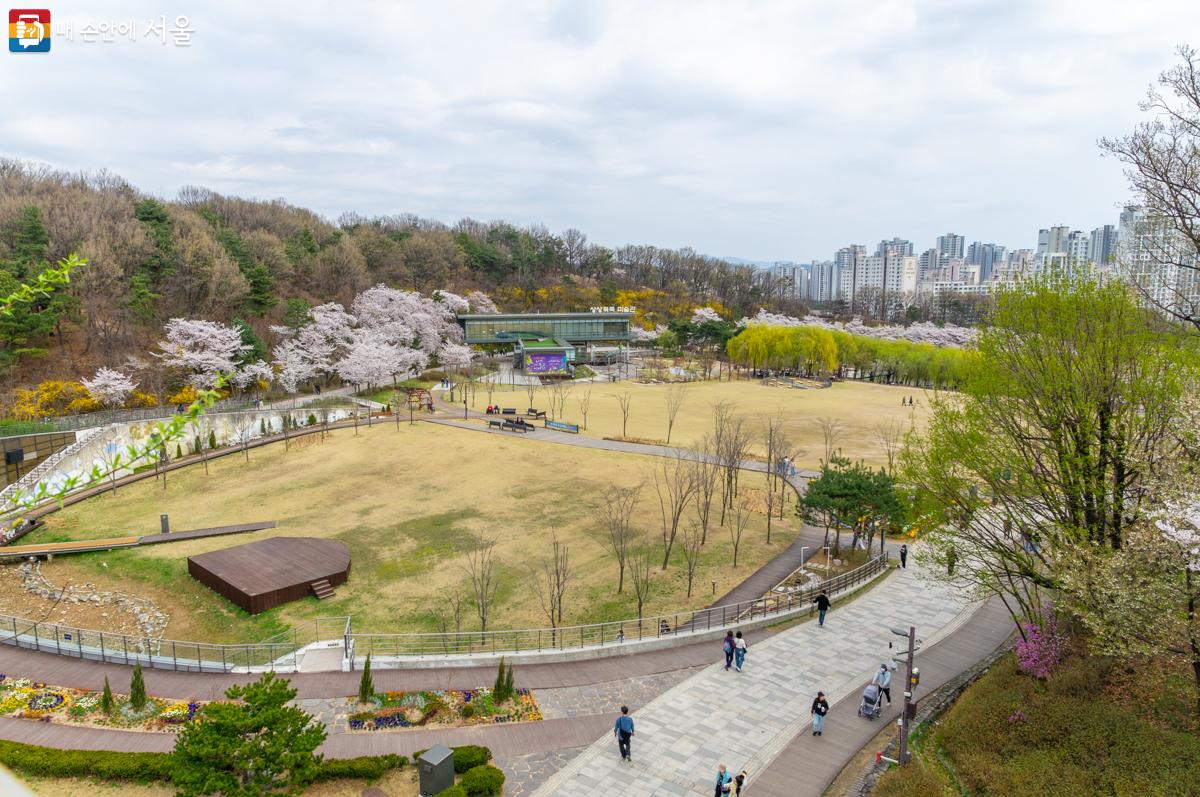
(739, 782)
(904, 555)
(739, 651)
(729, 646)
(724, 782)
(883, 679)
(822, 601)
(820, 708)
(623, 730)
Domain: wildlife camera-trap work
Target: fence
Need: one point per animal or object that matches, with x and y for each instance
(280, 652)
(598, 635)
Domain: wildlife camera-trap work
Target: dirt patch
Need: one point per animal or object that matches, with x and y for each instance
(99, 617)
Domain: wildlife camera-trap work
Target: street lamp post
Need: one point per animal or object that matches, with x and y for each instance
(912, 678)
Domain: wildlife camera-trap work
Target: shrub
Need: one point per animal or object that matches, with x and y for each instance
(140, 399)
(453, 791)
(54, 763)
(470, 756)
(312, 420)
(916, 780)
(137, 689)
(483, 781)
(467, 711)
(212, 438)
(368, 767)
(186, 395)
(1043, 648)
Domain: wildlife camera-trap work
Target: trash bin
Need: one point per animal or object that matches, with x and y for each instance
(436, 766)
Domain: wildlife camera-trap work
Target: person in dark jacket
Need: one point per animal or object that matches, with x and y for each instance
(728, 646)
(623, 730)
(822, 602)
(904, 556)
(820, 708)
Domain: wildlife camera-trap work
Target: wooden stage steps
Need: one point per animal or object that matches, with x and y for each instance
(322, 589)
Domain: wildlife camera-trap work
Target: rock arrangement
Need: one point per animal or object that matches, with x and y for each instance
(151, 621)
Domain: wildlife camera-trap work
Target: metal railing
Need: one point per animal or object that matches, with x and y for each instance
(282, 651)
(600, 635)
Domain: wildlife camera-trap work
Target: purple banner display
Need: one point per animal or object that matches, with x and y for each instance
(544, 363)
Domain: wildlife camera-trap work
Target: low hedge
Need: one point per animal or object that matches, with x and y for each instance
(470, 756)
(483, 781)
(454, 791)
(367, 767)
(51, 762)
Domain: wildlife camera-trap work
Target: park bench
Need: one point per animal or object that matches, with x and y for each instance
(515, 426)
(496, 424)
(531, 412)
(509, 411)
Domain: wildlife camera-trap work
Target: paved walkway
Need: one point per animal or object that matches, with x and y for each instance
(747, 719)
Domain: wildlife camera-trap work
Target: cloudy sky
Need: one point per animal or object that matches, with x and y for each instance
(764, 130)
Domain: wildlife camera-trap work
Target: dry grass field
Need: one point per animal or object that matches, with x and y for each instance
(408, 502)
(860, 406)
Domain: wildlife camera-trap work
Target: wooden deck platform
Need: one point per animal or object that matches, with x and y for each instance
(262, 575)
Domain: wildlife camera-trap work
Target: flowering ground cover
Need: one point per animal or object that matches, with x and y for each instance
(443, 708)
(26, 699)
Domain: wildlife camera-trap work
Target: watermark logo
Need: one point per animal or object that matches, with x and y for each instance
(29, 30)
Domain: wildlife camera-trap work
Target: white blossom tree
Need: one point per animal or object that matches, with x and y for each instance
(455, 355)
(110, 387)
(202, 349)
(922, 332)
(252, 374)
(702, 314)
(316, 347)
(479, 302)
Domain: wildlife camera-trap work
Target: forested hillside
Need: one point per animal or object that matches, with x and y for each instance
(203, 255)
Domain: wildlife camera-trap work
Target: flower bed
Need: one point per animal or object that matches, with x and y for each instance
(27, 700)
(453, 707)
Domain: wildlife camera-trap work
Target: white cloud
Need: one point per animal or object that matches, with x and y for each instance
(766, 129)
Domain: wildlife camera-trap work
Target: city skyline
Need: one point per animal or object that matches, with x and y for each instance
(768, 133)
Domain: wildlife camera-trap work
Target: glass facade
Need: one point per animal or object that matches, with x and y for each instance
(581, 328)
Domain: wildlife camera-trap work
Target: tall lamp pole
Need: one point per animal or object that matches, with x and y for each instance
(912, 679)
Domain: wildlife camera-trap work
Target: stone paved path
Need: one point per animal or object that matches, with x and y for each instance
(746, 719)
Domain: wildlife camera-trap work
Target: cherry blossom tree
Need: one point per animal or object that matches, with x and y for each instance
(455, 355)
(456, 303)
(923, 332)
(316, 347)
(203, 349)
(702, 314)
(109, 387)
(252, 374)
(479, 302)
(370, 360)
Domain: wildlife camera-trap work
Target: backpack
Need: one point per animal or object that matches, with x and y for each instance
(728, 646)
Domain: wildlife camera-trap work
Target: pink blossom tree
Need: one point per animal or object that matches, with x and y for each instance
(110, 387)
(703, 314)
(253, 374)
(202, 349)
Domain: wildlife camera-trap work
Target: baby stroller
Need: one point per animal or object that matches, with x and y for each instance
(870, 706)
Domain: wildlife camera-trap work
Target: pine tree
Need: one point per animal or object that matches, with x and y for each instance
(137, 689)
(178, 452)
(212, 438)
(509, 691)
(107, 704)
(366, 689)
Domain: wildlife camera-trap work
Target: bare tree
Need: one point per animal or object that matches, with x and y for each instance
(739, 518)
(735, 445)
(550, 578)
(772, 438)
(708, 473)
(692, 542)
(675, 485)
(640, 568)
(559, 393)
(1162, 159)
(448, 613)
(243, 432)
(617, 511)
(530, 388)
(831, 432)
(481, 569)
(676, 393)
(625, 400)
(890, 437)
(490, 388)
(585, 404)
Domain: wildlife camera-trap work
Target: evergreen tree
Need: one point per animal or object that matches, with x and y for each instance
(257, 350)
(366, 689)
(107, 704)
(259, 745)
(212, 438)
(297, 314)
(137, 689)
(499, 693)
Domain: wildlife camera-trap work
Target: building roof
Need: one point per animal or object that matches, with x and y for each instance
(536, 316)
